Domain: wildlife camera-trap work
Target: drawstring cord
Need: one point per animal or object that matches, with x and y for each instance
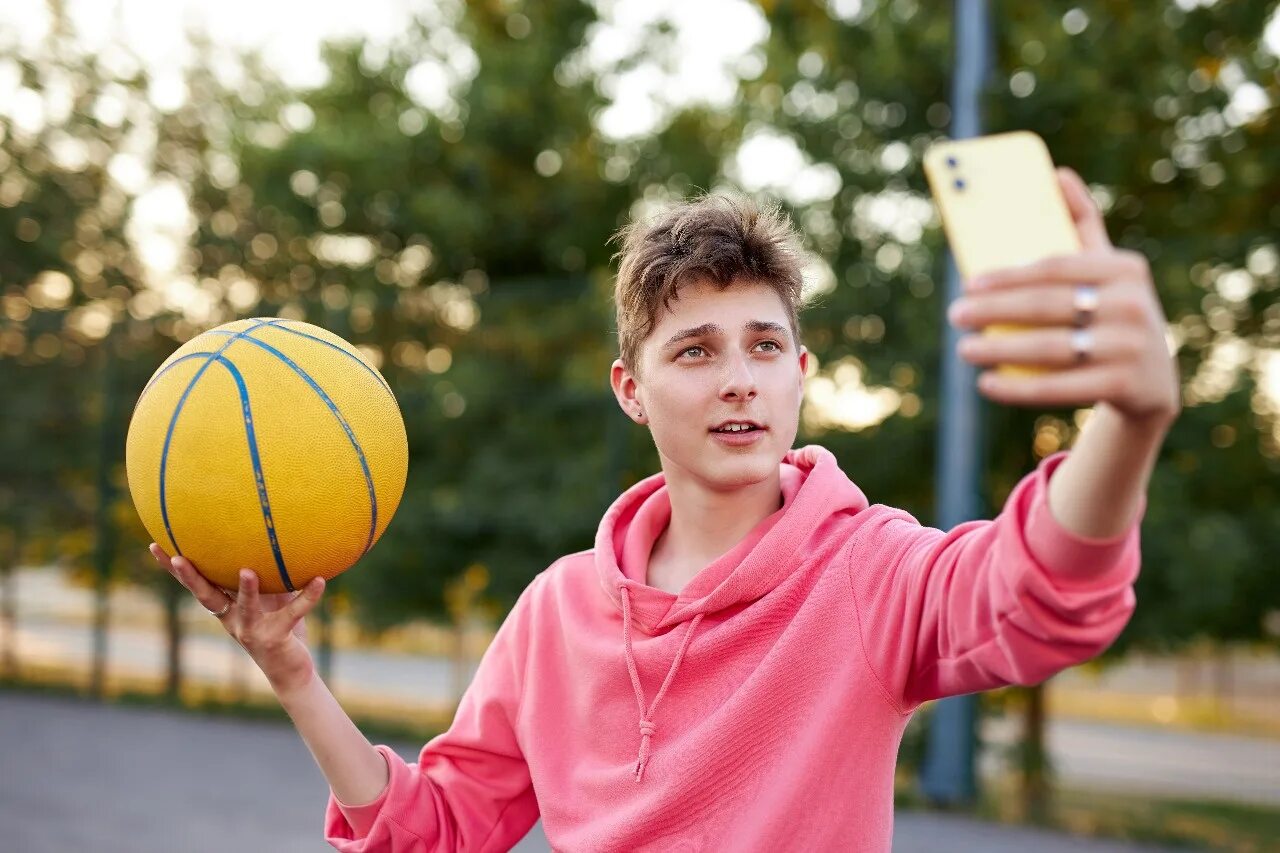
(647, 727)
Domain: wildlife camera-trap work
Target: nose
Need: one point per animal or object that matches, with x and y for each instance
(739, 382)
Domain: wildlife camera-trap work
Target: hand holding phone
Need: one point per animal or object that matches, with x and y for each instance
(1001, 206)
(1066, 317)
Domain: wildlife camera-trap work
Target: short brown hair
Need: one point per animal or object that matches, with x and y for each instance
(721, 238)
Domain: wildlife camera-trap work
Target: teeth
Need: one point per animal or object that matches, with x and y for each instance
(735, 428)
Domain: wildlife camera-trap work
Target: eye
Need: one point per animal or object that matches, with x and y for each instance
(770, 346)
(695, 350)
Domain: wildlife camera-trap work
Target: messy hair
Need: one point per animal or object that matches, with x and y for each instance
(719, 238)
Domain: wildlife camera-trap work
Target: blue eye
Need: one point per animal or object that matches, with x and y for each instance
(688, 350)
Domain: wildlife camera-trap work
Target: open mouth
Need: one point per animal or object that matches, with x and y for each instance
(737, 428)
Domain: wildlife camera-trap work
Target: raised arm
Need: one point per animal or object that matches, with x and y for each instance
(469, 790)
(1048, 583)
(1094, 321)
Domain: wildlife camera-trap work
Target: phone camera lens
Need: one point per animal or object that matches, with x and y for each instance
(952, 162)
(959, 183)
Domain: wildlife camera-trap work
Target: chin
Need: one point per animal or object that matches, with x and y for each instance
(748, 470)
(721, 470)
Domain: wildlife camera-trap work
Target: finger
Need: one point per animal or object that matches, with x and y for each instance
(248, 607)
(211, 597)
(1084, 212)
(161, 557)
(1095, 267)
(304, 601)
(1079, 387)
(1033, 305)
(1052, 348)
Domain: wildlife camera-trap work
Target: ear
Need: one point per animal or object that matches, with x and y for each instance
(627, 391)
(804, 366)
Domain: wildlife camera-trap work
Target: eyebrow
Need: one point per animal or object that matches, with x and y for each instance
(713, 329)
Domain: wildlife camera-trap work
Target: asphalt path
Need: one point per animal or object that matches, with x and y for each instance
(81, 776)
(1086, 755)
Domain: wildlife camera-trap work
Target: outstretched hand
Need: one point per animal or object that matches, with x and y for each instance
(1128, 366)
(271, 628)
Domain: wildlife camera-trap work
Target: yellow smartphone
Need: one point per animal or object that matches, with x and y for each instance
(1001, 205)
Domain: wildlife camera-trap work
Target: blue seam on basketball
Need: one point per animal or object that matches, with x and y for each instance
(351, 436)
(251, 436)
(258, 478)
(276, 324)
(173, 423)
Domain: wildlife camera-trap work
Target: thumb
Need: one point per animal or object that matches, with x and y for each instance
(305, 601)
(1084, 212)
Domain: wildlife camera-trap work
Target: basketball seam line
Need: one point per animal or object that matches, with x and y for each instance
(173, 422)
(278, 324)
(254, 457)
(342, 421)
(247, 335)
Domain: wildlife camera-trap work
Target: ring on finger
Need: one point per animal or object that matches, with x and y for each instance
(1082, 345)
(218, 614)
(1084, 300)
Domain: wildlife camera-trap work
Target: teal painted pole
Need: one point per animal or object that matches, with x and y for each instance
(947, 777)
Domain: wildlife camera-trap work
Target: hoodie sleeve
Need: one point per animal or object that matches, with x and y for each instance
(990, 603)
(470, 788)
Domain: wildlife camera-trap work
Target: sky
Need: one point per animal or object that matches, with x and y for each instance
(715, 42)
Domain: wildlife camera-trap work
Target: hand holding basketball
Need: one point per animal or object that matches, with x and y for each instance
(271, 627)
(267, 444)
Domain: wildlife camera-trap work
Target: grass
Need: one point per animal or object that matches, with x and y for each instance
(1228, 827)
(1195, 713)
(1201, 824)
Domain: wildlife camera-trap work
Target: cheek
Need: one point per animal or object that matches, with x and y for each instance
(678, 392)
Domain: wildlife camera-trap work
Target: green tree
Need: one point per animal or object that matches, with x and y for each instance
(1164, 114)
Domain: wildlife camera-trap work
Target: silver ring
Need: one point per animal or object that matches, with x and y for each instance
(223, 612)
(1084, 299)
(1082, 345)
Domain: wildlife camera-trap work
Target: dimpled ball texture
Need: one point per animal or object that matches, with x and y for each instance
(267, 444)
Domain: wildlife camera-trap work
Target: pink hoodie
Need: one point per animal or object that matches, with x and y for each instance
(762, 708)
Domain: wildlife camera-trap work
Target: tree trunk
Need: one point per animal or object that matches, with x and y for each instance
(173, 640)
(101, 624)
(1223, 684)
(461, 677)
(324, 642)
(1035, 775)
(104, 527)
(1187, 677)
(9, 608)
(238, 680)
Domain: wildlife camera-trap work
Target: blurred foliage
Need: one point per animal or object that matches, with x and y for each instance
(1159, 112)
(462, 244)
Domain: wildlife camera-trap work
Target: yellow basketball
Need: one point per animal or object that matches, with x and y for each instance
(267, 444)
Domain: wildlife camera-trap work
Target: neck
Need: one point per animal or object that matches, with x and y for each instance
(705, 524)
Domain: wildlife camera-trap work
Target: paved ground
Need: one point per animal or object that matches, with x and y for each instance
(1157, 762)
(1099, 756)
(80, 776)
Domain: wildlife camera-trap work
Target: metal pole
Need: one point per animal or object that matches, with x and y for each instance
(947, 777)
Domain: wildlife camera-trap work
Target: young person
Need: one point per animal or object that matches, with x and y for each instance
(731, 667)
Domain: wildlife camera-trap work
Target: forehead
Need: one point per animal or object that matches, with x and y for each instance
(701, 302)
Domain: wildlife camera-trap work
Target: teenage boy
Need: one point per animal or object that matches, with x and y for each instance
(731, 667)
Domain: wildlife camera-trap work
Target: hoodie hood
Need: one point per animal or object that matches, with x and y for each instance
(814, 491)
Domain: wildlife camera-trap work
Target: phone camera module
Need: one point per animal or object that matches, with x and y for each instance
(952, 162)
(959, 184)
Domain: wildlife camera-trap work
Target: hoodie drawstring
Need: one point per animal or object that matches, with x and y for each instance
(647, 727)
